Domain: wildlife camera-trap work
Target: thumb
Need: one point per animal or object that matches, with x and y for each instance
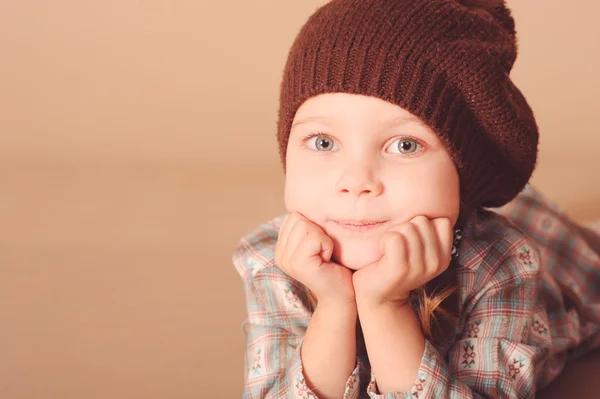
(385, 246)
(326, 248)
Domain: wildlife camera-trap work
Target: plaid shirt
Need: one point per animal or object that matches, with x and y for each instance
(529, 299)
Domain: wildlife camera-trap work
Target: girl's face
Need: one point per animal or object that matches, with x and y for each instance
(355, 160)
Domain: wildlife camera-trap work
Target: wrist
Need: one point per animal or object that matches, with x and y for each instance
(340, 307)
(382, 305)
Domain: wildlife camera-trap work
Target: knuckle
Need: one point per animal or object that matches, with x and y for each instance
(397, 236)
(420, 219)
(433, 261)
(407, 228)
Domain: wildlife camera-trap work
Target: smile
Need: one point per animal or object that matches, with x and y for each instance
(358, 225)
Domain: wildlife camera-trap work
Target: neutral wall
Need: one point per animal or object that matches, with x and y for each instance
(137, 146)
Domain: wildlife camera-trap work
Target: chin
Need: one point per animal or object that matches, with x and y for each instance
(355, 256)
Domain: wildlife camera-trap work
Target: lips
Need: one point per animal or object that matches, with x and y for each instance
(359, 222)
(359, 225)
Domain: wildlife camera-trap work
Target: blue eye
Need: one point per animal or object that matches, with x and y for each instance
(405, 146)
(320, 142)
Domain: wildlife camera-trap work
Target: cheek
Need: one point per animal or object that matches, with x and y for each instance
(434, 192)
(304, 190)
(443, 192)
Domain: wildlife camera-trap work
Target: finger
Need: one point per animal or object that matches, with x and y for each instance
(296, 235)
(281, 237)
(432, 254)
(284, 232)
(326, 241)
(394, 250)
(325, 250)
(414, 246)
(288, 224)
(445, 234)
(326, 247)
(309, 251)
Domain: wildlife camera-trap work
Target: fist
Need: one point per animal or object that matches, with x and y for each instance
(412, 254)
(304, 252)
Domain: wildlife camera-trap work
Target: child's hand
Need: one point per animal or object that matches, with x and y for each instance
(415, 253)
(304, 253)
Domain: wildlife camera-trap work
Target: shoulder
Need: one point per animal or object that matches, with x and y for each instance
(495, 253)
(490, 239)
(255, 251)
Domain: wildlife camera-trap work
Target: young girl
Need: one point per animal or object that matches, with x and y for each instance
(388, 278)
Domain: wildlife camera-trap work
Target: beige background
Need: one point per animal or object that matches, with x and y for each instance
(137, 146)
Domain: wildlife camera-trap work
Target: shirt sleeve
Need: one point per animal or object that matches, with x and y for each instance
(505, 342)
(274, 332)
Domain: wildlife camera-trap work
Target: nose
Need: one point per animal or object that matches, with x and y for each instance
(359, 180)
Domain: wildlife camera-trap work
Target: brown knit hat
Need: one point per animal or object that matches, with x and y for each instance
(445, 61)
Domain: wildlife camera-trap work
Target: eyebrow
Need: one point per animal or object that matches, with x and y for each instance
(394, 122)
(311, 119)
(405, 120)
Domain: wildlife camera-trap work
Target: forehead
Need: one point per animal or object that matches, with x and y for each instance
(342, 111)
(344, 106)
